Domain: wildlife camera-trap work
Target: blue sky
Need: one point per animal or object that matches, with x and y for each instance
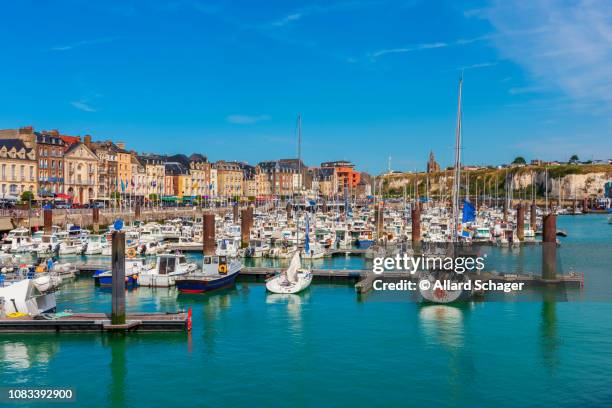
(371, 78)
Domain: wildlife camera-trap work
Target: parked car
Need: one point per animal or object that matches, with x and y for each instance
(64, 205)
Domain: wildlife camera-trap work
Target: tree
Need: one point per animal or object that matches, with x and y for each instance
(574, 158)
(27, 196)
(519, 160)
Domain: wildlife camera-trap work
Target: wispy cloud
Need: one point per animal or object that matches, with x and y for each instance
(68, 47)
(287, 19)
(568, 48)
(323, 9)
(478, 65)
(83, 106)
(247, 119)
(426, 46)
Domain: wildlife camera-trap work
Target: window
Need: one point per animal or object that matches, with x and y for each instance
(13, 172)
(4, 172)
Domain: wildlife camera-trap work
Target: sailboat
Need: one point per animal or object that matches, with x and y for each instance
(447, 293)
(295, 279)
(292, 280)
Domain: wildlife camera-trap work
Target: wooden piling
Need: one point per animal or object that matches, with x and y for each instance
(415, 214)
(235, 213)
(289, 209)
(549, 247)
(245, 228)
(137, 212)
(208, 233)
(95, 216)
(118, 284)
(48, 221)
(520, 222)
(533, 220)
(585, 205)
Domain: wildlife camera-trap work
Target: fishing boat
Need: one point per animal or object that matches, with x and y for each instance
(292, 280)
(167, 268)
(217, 273)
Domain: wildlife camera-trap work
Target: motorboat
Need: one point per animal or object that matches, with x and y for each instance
(22, 297)
(133, 268)
(292, 280)
(217, 272)
(167, 268)
(71, 246)
(95, 244)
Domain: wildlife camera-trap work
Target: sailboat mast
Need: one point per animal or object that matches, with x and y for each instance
(457, 180)
(299, 152)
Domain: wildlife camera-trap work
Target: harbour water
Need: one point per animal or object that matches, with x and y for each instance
(329, 347)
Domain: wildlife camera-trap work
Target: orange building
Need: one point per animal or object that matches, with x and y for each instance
(345, 175)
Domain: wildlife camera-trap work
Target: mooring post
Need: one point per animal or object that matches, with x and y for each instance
(533, 220)
(95, 219)
(585, 205)
(235, 213)
(118, 288)
(415, 214)
(520, 222)
(250, 216)
(245, 229)
(48, 221)
(208, 234)
(137, 212)
(549, 247)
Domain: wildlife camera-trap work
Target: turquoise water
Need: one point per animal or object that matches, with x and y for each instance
(328, 347)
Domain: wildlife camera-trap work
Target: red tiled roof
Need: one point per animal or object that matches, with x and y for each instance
(70, 139)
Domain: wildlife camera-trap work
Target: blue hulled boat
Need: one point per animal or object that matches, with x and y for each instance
(133, 267)
(217, 273)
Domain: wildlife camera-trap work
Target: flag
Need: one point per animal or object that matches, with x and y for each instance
(122, 186)
(469, 212)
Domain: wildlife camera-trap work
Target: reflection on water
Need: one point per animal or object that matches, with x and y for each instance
(293, 303)
(18, 355)
(549, 338)
(442, 324)
(118, 369)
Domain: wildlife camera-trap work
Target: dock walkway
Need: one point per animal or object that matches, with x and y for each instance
(96, 322)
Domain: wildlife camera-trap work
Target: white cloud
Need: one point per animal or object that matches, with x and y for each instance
(246, 119)
(563, 46)
(83, 105)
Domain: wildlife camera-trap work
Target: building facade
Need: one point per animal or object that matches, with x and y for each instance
(81, 173)
(18, 168)
(50, 153)
(229, 179)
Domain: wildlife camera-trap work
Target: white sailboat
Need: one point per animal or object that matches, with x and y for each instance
(295, 279)
(292, 280)
(451, 282)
